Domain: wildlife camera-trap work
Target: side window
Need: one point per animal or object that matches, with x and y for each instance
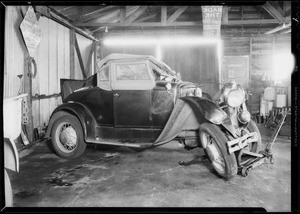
(104, 74)
(132, 72)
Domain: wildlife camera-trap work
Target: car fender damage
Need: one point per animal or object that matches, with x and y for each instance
(188, 114)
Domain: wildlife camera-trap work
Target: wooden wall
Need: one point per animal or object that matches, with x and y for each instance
(52, 58)
(260, 49)
(196, 63)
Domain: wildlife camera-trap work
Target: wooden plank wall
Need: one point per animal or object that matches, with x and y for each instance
(52, 58)
(196, 63)
(53, 63)
(15, 52)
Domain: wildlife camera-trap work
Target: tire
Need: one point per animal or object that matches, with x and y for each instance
(213, 141)
(8, 190)
(67, 137)
(252, 127)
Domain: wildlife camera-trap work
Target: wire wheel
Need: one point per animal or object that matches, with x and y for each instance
(213, 141)
(213, 152)
(66, 137)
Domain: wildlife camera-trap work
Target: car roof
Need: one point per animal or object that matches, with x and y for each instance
(118, 56)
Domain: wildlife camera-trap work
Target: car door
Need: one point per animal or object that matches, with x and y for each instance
(132, 85)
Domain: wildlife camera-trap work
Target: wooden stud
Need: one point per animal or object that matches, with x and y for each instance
(163, 15)
(80, 58)
(225, 15)
(89, 61)
(72, 54)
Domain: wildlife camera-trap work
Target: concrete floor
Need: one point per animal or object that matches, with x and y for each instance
(120, 177)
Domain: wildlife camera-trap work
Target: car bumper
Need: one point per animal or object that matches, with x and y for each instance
(240, 143)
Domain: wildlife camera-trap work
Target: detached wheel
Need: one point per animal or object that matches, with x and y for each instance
(213, 142)
(67, 137)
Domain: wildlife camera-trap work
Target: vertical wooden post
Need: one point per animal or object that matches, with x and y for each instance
(95, 57)
(250, 71)
(72, 54)
(164, 15)
(28, 90)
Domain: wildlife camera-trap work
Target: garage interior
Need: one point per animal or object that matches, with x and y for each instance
(252, 46)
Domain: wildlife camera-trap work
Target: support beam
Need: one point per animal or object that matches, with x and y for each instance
(98, 18)
(94, 14)
(163, 17)
(88, 64)
(225, 14)
(56, 16)
(135, 15)
(146, 18)
(176, 14)
(72, 54)
(159, 24)
(80, 58)
(122, 14)
(286, 31)
(282, 27)
(273, 12)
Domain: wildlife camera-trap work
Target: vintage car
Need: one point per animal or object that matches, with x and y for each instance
(139, 101)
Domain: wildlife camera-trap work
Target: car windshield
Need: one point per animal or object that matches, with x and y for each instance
(162, 71)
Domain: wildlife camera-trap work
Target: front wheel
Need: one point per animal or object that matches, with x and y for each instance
(213, 142)
(67, 137)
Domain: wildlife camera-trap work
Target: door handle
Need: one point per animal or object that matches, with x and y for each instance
(116, 95)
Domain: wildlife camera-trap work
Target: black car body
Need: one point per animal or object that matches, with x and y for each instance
(135, 101)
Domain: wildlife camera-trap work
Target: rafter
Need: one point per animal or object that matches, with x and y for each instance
(159, 24)
(273, 12)
(163, 17)
(95, 14)
(176, 14)
(135, 15)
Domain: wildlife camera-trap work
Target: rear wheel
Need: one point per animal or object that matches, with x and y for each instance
(213, 142)
(67, 137)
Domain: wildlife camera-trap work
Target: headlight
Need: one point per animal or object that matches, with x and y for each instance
(235, 98)
(244, 117)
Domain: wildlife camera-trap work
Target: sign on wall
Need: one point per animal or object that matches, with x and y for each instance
(31, 31)
(211, 18)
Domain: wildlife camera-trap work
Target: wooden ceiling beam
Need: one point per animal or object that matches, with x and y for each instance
(159, 24)
(95, 14)
(273, 12)
(163, 17)
(122, 14)
(146, 18)
(135, 15)
(176, 14)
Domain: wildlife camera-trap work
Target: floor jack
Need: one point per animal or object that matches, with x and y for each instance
(248, 160)
(245, 163)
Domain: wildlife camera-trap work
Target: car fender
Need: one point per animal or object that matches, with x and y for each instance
(212, 112)
(188, 114)
(81, 112)
(11, 157)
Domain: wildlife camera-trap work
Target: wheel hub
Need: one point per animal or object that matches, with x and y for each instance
(68, 137)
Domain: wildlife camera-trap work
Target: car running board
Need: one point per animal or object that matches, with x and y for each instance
(144, 145)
